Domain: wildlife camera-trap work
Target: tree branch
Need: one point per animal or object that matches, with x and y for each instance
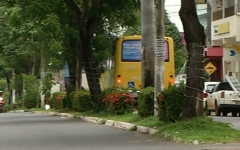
(93, 21)
(72, 6)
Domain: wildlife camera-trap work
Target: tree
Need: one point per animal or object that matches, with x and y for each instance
(35, 32)
(148, 42)
(195, 39)
(88, 15)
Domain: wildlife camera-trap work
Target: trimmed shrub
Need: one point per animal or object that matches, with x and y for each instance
(146, 102)
(119, 102)
(56, 101)
(81, 100)
(171, 103)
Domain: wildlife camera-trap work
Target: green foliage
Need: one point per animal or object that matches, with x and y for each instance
(15, 106)
(81, 100)
(119, 102)
(56, 100)
(31, 87)
(146, 102)
(18, 86)
(47, 83)
(171, 103)
(67, 102)
(3, 84)
(171, 30)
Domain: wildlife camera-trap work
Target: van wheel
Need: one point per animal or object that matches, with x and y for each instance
(217, 110)
(225, 113)
(234, 114)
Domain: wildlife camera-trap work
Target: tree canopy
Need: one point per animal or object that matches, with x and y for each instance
(67, 32)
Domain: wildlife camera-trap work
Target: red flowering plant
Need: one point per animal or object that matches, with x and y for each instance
(119, 102)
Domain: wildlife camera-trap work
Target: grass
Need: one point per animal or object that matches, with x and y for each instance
(202, 129)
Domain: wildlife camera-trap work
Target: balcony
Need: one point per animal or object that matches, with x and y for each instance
(225, 30)
(230, 11)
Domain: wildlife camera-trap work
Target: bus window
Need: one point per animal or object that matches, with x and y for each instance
(131, 50)
(166, 49)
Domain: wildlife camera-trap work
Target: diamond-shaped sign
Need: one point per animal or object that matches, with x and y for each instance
(210, 68)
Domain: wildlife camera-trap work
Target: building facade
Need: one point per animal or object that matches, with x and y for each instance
(225, 35)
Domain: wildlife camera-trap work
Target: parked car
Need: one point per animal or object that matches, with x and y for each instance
(223, 99)
(208, 86)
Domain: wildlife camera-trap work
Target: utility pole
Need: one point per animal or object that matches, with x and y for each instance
(159, 53)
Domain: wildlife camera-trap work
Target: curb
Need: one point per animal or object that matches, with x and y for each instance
(119, 124)
(112, 123)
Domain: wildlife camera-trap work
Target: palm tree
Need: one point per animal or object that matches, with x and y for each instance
(148, 42)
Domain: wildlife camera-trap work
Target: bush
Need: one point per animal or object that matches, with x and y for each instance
(31, 96)
(146, 102)
(14, 106)
(171, 103)
(81, 100)
(56, 101)
(119, 102)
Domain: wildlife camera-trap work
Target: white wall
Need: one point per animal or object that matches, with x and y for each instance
(231, 63)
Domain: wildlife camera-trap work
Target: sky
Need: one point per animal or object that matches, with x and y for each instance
(173, 7)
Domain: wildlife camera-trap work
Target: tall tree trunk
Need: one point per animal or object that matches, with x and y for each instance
(148, 42)
(86, 28)
(92, 73)
(195, 39)
(78, 71)
(8, 87)
(42, 75)
(34, 57)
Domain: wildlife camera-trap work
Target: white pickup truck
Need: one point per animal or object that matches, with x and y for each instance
(223, 99)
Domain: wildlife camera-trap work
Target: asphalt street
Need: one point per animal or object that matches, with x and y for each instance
(27, 131)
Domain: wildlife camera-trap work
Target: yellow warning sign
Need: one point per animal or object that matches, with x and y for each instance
(210, 68)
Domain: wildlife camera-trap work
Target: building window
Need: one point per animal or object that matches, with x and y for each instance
(215, 29)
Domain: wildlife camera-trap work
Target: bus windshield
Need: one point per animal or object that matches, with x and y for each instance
(131, 50)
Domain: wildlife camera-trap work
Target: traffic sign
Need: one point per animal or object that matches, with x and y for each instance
(210, 68)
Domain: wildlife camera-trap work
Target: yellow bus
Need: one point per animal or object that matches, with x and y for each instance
(126, 71)
(127, 67)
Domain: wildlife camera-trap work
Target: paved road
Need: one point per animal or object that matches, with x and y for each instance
(27, 131)
(235, 121)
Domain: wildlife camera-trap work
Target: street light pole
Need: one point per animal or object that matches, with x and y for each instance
(159, 53)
